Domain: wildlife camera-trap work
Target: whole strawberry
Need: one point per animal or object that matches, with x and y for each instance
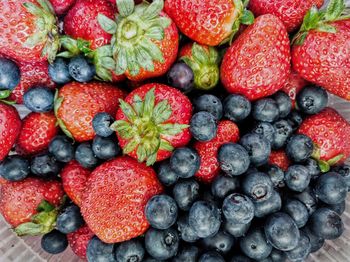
(257, 64)
(79, 240)
(77, 103)
(280, 159)
(115, 198)
(61, 6)
(293, 85)
(152, 121)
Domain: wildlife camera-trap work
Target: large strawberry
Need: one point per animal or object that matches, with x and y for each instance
(208, 22)
(77, 103)
(257, 64)
(293, 85)
(61, 6)
(152, 121)
(38, 129)
(291, 12)
(115, 198)
(210, 168)
(79, 240)
(28, 30)
(321, 49)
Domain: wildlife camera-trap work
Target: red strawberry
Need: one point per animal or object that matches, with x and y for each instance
(291, 12)
(210, 168)
(77, 104)
(293, 85)
(10, 127)
(74, 178)
(152, 121)
(280, 159)
(79, 240)
(115, 198)
(38, 129)
(258, 63)
(61, 6)
(208, 22)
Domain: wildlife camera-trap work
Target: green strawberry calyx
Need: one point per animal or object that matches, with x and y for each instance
(147, 126)
(46, 28)
(57, 104)
(4, 94)
(325, 165)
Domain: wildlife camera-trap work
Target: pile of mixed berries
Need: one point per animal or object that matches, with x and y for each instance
(176, 130)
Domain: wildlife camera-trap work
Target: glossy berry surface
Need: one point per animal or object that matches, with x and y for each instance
(101, 124)
(234, 159)
(266, 130)
(297, 178)
(45, 165)
(166, 175)
(254, 244)
(187, 233)
(238, 209)
(162, 244)
(265, 109)
(284, 103)
(9, 74)
(85, 155)
(80, 69)
(326, 223)
(62, 149)
(99, 251)
(131, 250)
(185, 162)
(258, 148)
(181, 76)
(54, 242)
(312, 100)
(58, 71)
(203, 126)
(14, 168)
(209, 103)
(222, 241)
(299, 148)
(186, 193)
(296, 210)
(236, 107)
(105, 148)
(283, 130)
(331, 188)
(39, 99)
(223, 185)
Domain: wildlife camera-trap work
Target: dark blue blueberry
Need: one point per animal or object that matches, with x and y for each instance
(308, 198)
(162, 244)
(344, 171)
(282, 232)
(221, 242)
(296, 210)
(130, 251)
(203, 126)
(315, 241)
(14, 168)
(338, 208)
(187, 253)
(205, 219)
(266, 110)
(85, 155)
(302, 250)
(81, 69)
(297, 178)
(187, 233)
(268, 206)
(62, 149)
(181, 76)
(161, 211)
(45, 165)
(299, 148)
(101, 124)
(39, 99)
(238, 208)
(258, 148)
(295, 119)
(257, 186)
(185, 193)
(105, 148)
(211, 256)
(58, 71)
(326, 223)
(276, 175)
(223, 185)
(166, 175)
(240, 258)
(10, 74)
(185, 162)
(266, 130)
(69, 220)
(313, 168)
(208, 196)
(210, 104)
(331, 188)
(277, 256)
(54, 242)
(237, 108)
(283, 131)
(233, 159)
(255, 245)
(97, 251)
(236, 230)
(312, 100)
(284, 103)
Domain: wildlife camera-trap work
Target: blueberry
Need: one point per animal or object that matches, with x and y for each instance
(295, 119)
(326, 223)
(296, 210)
(240, 258)
(161, 211)
(277, 256)
(282, 232)
(238, 208)
(203, 126)
(283, 130)
(210, 104)
(14, 168)
(313, 168)
(85, 155)
(10, 75)
(223, 185)
(81, 69)
(54, 242)
(331, 188)
(344, 171)
(62, 149)
(186, 193)
(98, 251)
(237, 108)
(205, 219)
(162, 244)
(39, 99)
(266, 130)
(45, 165)
(187, 253)
(255, 245)
(211, 256)
(266, 110)
(284, 103)
(258, 148)
(101, 124)
(299, 148)
(312, 99)
(338, 208)
(221, 242)
(208, 196)
(166, 175)
(315, 241)
(105, 148)
(268, 206)
(276, 175)
(185, 162)
(187, 233)
(233, 159)
(236, 230)
(130, 251)
(297, 178)
(69, 220)
(257, 186)
(181, 76)
(58, 71)
(308, 198)
(302, 250)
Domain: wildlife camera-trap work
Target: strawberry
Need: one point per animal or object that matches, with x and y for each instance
(293, 85)
(38, 129)
(77, 103)
(152, 121)
(290, 12)
(321, 49)
(61, 6)
(257, 64)
(115, 198)
(79, 240)
(28, 31)
(209, 167)
(10, 127)
(208, 22)
(74, 178)
(280, 159)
